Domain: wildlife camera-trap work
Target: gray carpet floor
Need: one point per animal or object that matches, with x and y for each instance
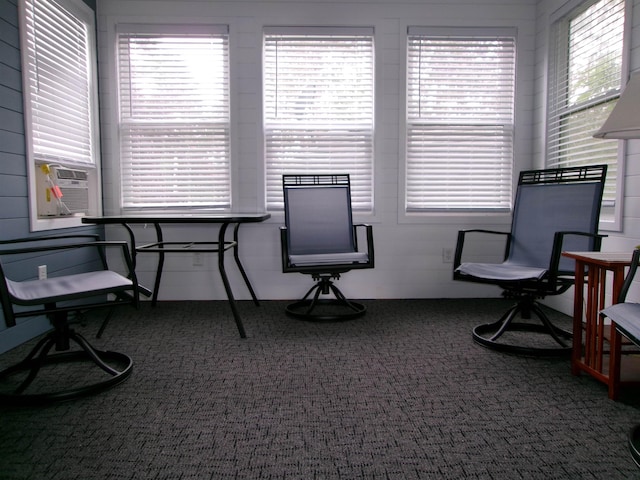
(401, 393)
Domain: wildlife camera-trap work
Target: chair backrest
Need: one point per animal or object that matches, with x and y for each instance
(318, 214)
(550, 201)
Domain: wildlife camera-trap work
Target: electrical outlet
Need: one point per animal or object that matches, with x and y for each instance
(447, 255)
(198, 259)
(42, 272)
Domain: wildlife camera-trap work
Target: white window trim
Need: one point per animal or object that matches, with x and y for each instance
(87, 16)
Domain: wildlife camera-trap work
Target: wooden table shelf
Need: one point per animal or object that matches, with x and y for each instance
(594, 339)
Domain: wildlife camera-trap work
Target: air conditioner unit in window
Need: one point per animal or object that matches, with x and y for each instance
(61, 191)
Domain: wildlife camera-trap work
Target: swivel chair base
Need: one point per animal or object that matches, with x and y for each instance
(39, 358)
(316, 309)
(488, 334)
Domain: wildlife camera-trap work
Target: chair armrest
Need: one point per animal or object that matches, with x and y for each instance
(369, 233)
(100, 245)
(457, 258)
(284, 247)
(558, 248)
(43, 244)
(368, 229)
(633, 267)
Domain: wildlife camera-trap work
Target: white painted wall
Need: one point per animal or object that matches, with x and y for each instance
(409, 260)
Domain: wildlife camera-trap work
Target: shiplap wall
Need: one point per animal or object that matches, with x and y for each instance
(14, 205)
(409, 259)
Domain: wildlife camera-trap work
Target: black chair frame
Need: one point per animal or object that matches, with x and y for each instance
(629, 326)
(63, 309)
(556, 280)
(324, 274)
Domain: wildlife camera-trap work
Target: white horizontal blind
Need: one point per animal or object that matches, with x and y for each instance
(318, 107)
(585, 83)
(174, 116)
(59, 84)
(460, 104)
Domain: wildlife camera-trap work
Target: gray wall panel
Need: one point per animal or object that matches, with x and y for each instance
(14, 205)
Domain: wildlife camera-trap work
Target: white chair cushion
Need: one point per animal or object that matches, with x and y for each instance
(66, 287)
(627, 316)
(329, 258)
(501, 271)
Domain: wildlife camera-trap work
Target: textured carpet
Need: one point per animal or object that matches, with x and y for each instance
(400, 393)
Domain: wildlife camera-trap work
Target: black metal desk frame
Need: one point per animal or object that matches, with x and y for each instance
(161, 247)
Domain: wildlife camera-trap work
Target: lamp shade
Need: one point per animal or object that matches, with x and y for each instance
(624, 120)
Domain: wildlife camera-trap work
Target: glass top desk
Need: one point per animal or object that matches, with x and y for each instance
(161, 247)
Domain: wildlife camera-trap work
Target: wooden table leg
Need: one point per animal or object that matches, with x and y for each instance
(578, 296)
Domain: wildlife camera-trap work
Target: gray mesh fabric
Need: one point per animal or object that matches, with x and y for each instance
(542, 210)
(319, 220)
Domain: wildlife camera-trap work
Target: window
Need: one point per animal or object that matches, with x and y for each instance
(586, 71)
(61, 116)
(174, 116)
(318, 107)
(460, 121)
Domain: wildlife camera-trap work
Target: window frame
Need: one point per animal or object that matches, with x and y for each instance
(413, 215)
(557, 62)
(215, 30)
(363, 189)
(85, 16)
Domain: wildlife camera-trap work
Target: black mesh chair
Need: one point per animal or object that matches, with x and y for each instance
(626, 318)
(63, 299)
(555, 210)
(320, 239)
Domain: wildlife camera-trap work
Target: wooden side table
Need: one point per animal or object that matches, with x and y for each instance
(596, 346)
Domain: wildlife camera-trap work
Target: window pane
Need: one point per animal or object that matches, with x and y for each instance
(460, 95)
(59, 84)
(318, 100)
(174, 109)
(595, 66)
(585, 83)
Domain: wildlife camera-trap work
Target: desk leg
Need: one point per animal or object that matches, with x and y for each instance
(225, 280)
(236, 256)
(132, 244)
(134, 258)
(578, 296)
(156, 285)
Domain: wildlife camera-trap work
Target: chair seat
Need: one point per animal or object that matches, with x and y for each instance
(627, 317)
(67, 287)
(501, 271)
(329, 258)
